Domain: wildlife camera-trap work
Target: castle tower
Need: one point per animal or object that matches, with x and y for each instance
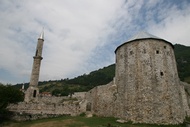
(33, 91)
(147, 81)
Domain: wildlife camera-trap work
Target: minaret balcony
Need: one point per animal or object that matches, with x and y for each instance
(38, 57)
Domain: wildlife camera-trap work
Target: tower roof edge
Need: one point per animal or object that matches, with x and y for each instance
(143, 35)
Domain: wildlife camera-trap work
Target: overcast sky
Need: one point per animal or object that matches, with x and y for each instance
(81, 35)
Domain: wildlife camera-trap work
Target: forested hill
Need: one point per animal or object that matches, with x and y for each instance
(105, 75)
(182, 54)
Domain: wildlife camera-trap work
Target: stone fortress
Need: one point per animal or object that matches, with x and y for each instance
(146, 87)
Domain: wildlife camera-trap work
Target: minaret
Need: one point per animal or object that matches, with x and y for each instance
(33, 91)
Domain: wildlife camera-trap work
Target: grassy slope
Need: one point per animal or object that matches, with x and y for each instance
(79, 121)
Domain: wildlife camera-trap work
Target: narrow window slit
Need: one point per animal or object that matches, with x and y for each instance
(36, 52)
(131, 52)
(34, 93)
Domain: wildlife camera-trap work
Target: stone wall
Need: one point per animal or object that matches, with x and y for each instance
(52, 99)
(106, 101)
(50, 105)
(26, 116)
(101, 100)
(42, 108)
(79, 95)
(185, 90)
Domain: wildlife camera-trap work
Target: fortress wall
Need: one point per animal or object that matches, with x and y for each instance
(101, 100)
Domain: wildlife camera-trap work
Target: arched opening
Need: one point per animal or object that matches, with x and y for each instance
(88, 106)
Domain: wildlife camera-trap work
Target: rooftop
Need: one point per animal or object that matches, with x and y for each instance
(143, 35)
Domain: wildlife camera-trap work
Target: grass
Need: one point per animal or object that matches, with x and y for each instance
(78, 121)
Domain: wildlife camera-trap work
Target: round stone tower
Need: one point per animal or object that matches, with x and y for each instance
(147, 81)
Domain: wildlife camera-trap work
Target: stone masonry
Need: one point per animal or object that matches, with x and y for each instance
(49, 106)
(148, 83)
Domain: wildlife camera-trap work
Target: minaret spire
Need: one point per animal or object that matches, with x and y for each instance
(42, 34)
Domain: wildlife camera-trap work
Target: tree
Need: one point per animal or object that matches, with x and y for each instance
(9, 94)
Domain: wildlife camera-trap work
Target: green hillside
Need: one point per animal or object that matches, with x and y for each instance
(105, 75)
(182, 54)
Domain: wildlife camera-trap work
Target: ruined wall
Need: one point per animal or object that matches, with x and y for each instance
(79, 95)
(148, 83)
(26, 116)
(42, 108)
(52, 99)
(50, 105)
(101, 100)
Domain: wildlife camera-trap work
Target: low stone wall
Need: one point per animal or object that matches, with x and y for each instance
(26, 116)
(52, 99)
(67, 108)
(79, 95)
(47, 107)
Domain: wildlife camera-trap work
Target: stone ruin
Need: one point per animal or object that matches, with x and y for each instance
(146, 88)
(48, 106)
